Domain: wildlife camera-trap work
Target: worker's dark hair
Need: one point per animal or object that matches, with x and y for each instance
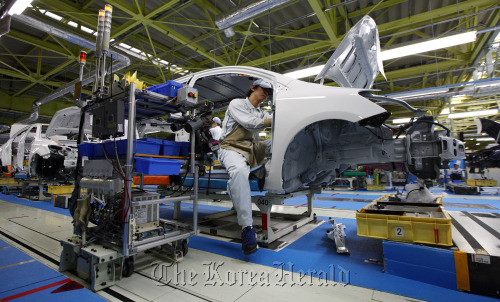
(250, 91)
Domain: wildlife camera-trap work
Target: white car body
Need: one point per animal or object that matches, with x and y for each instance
(319, 131)
(297, 105)
(37, 142)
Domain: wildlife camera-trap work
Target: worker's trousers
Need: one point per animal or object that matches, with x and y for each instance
(238, 185)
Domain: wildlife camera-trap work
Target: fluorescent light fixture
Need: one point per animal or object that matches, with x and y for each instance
(87, 30)
(473, 113)
(485, 139)
(430, 45)
(135, 50)
(262, 134)
(53, 16)
(298, 74)
(420, 92)
(125, 45)
(19, 7)
(401, 51)
(401, 120)
(71, 23)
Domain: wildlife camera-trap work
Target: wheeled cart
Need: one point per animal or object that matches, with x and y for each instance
(126, 218)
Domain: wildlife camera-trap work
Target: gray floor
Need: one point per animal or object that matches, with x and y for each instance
(43, 230)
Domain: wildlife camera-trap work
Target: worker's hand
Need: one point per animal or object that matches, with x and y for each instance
(268, 122)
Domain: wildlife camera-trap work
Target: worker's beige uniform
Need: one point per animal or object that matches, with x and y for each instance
(240, 150)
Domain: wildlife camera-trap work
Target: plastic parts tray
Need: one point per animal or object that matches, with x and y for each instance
(404, 221)
(169, 88)
(157, 166)
(140, 147)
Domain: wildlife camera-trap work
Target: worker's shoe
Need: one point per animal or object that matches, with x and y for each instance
(249, 240)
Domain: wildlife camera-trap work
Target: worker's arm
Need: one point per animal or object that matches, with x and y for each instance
(245, 118)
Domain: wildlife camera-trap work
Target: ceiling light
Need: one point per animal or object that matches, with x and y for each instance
(419, 92)
(430, 45)
(473, 113)
(86, 29)
(400, 51)
(19, 7)
(311, 71)
(53, 16)
(401, 120)
(71, 23)
(124, 45)
(459, 96)
(485, 139)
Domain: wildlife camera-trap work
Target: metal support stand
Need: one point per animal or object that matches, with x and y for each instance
(40, 184)
(103, 263)
(268, 231)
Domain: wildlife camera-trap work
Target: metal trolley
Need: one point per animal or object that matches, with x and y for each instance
(102, 262)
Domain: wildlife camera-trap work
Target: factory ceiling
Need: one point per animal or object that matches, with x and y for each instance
(168, 39)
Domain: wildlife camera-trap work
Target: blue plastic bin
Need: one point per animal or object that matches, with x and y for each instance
(84, 149)
(157, 166)
(170, 148)
(143, 147)
(153, 140)
(169, 88)
(185, 148)
(91, 150)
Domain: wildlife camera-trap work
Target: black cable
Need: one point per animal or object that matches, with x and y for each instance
(408, 194)
(182, 182)
(448, 131)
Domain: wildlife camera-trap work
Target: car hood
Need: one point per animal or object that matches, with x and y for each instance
(66, 122)
(356, 62)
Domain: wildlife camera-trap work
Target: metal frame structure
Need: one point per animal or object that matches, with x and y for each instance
(108, 262)
(190, 40)
(266, 233)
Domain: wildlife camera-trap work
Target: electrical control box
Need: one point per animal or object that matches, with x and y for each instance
(187, 96)
(97, 168)
(109, 119)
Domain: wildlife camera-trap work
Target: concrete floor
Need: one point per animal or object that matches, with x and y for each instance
(42, 230)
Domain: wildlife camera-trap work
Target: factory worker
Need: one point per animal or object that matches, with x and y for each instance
(216, 130)
(456, 172)
(240, 151)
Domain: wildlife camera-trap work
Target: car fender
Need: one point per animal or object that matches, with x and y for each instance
(304, 104)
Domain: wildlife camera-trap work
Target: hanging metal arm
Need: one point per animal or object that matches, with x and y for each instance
(417, 111)
(124, 61)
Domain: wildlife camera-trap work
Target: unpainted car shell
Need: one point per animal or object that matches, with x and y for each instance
(297, 105)
(49, 155)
